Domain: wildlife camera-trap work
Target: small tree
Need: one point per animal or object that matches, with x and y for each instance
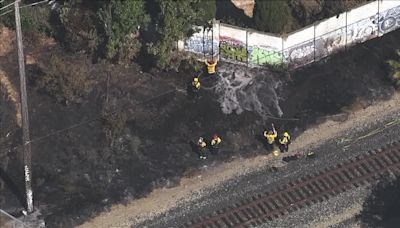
(35, 19)
(77, 27)
(121, 21)
(175, 22)
(395, 70)
(271, 15)
(209, 10)
(66, 81)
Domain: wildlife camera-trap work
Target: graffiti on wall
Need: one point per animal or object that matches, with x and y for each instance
(211, 43)
(329, 43)
(315, 48)
(333, 41)
(260, 55)
(233, 49)
(300, 54)
(199, 46)
(194, 44)
(202, 44)
(389, 20)
(361, 31)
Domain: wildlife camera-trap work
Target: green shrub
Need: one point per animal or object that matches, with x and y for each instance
(394, 65)
(66, 81)
(113, 121)
(175, 23)
(121, 21)
(271, 15)
(77, 27)
(33, 19)
(209, 10)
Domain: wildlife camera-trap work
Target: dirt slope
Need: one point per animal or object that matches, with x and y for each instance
(246, 5)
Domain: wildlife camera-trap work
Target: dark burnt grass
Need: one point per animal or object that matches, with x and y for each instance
(77, 173)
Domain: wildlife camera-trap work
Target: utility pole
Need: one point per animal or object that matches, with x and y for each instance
(24, 111)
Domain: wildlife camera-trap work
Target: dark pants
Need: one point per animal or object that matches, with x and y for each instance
(214, 149)
(284, 147)
(194, 92)
(202, 152)
(270, 147)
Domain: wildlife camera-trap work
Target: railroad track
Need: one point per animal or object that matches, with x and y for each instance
(306, 190)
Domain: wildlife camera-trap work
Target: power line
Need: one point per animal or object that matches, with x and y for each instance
(11, 4)
(24, 6)
(99, 117)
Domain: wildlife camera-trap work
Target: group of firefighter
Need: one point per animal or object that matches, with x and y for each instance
(273, 140)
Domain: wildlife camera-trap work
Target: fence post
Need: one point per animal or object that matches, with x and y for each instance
(247, 46)
(212, 41)
(204, 51)
(283, 58)
(345, 41)
(314, 40)
(219, 40)
(377, 23)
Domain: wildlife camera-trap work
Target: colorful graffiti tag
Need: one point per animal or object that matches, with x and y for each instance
(265, 55)
(202, 43)
(199, 46)
(233, 49)
(194, 44)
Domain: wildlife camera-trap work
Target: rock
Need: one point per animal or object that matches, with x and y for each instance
(87, 177)
(246, 5)
(173, 182)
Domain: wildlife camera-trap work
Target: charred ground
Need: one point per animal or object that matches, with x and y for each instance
(78, 172)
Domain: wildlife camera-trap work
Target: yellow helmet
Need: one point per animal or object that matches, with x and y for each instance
(196, 79)
(286, 134)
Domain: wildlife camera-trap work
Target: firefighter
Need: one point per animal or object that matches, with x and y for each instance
(284, 142)
(271, 136)
(202, 148)
(196, 85)
(211, 65)
(215, 141)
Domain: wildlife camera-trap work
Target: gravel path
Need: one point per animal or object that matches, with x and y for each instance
(335, 210)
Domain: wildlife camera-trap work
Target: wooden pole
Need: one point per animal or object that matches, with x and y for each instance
(25, 114)
(212, 41)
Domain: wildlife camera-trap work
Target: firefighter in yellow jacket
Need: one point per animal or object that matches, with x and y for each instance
(196, 85)
(211, 65)
(202, 148)
(215, 141)
(271, 136)
(284, 142)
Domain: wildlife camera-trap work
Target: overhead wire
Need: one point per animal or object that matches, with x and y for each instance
(23, 6)
(89, 120)
(99, 117)
(11, 4)
(96, 118)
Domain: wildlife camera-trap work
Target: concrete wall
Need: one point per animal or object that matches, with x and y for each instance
(301, 47)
